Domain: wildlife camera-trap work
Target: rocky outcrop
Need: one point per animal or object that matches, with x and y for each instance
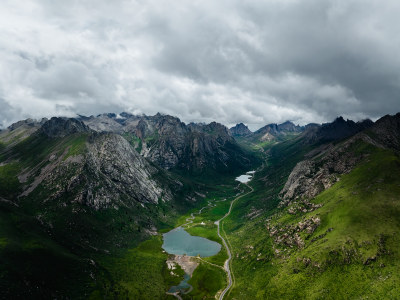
(289, 235)
(321, 170)
(61, 127)
(323, 165)
(240, 130)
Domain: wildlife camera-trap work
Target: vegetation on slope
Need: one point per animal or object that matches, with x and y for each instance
(350, 251)
(98, 251)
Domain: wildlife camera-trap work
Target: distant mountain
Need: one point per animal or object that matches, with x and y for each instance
(272, 131)
(240, 130)
(337, 130)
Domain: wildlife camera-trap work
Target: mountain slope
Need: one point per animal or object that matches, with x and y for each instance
(332, 230)
(351, 236)
(81, 210)
(71, 199)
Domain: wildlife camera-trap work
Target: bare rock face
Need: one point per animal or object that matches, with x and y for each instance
(60, 127)
(120, 173)
(164, 139)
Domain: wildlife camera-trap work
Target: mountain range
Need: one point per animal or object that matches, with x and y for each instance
(84, 202)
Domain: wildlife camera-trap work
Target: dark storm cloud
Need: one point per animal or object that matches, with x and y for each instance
(231, 61)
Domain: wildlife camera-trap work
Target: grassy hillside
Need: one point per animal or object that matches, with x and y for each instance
(344, 246)
(52, 246)
(55, 246)
(350, 252)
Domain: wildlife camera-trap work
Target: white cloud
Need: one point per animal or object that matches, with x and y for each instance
(231, 61)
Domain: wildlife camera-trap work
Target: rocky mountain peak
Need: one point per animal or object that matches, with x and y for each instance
(215, 127)
(167, 124)
(60, 127)
(289, 126)
(340, 120)
(126, 115)
(240, 130)
(283, 128)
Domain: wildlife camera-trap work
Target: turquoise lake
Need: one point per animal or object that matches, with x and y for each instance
(179, 242)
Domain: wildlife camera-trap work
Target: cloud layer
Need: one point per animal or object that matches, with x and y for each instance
(255, 62)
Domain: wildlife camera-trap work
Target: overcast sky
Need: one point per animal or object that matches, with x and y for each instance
(255, 62)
